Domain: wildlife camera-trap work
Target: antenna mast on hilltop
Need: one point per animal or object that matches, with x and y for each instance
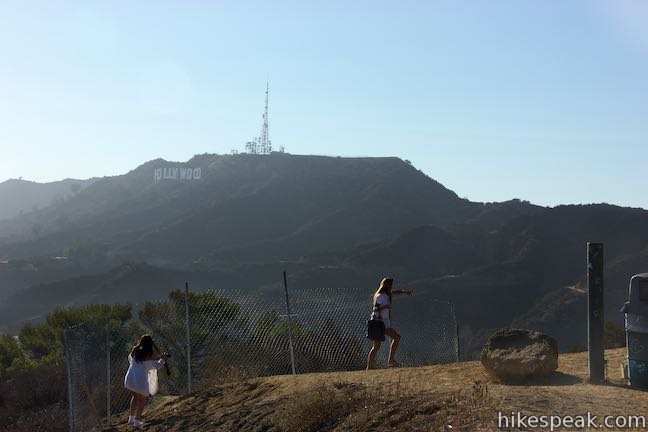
(262, 144)
(266, 145)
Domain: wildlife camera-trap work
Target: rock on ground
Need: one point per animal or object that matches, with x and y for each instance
(514, 355)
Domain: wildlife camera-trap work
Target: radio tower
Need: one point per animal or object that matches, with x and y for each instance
(262, 145)
(266, 145)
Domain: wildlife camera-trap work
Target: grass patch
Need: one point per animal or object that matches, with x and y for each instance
(317, 409)
(352, 407)
(468, 410)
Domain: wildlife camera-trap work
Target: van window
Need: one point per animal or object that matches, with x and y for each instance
(643, 290)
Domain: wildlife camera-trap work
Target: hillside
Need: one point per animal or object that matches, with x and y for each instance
(277, 206)
(330, 222)
(434, 398)
(531, 269)
(19, 197)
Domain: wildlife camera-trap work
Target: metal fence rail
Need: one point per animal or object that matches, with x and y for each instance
(219, 336)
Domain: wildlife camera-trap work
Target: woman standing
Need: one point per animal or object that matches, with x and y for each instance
(382, 300)
(141, 379)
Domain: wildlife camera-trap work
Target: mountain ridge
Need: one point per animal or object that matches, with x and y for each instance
(19, 196)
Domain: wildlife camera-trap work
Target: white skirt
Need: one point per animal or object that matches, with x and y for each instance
(141, 377)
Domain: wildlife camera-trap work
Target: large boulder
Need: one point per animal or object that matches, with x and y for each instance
(514, 355)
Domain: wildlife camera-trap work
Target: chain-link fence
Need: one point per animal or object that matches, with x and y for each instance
(221, 336)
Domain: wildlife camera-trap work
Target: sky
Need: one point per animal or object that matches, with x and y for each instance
(545, 101)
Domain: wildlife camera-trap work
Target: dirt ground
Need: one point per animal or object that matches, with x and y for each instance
(448, 397)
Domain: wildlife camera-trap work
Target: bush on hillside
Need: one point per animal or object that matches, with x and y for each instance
(35, 399)
(312, 411)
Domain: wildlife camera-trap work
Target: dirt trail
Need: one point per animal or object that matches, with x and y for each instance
(442, 397)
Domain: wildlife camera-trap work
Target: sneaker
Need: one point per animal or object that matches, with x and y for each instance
(137, 423)
(130, 419)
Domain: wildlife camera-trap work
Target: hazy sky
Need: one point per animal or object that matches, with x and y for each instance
(540, 100)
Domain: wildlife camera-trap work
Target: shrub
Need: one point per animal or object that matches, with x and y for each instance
(315, 410)
(50, 419)
(34, 400)
(36, 388)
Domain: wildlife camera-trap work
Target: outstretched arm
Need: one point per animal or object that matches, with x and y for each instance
(161, 359)
(402, 292)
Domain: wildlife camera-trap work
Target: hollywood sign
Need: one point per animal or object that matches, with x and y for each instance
(177, 173)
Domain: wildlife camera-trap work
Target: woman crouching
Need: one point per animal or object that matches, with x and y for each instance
(141, 379)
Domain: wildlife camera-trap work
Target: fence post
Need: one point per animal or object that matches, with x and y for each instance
(595, 319)
(188, 337)
(457, 336)
(290, 340)
(71, 401)
(108, 378)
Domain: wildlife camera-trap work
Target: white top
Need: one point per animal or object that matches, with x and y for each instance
(384, 314)
(142, 376)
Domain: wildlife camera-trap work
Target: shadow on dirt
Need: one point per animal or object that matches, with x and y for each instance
(555, 379)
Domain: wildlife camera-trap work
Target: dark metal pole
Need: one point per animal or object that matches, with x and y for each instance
(290, 340)
(595, 318)
(108, 374)
(187, 337)
(72, 403)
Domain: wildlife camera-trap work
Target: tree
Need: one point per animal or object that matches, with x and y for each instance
(12, 357)
(213, 319)
(43, 343)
